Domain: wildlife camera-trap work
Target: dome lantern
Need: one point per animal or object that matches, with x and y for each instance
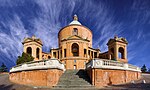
(75, 21)
(75, 17)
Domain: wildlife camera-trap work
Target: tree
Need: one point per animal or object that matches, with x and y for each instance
(3, 68)
(149, 70)
(24, 58)
(144, 69)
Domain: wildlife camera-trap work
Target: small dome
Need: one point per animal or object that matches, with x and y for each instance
(75, 20)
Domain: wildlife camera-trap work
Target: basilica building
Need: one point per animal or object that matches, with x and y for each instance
(75, 63)
(75, 47)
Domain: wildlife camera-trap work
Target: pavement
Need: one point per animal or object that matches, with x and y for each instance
(142, 84)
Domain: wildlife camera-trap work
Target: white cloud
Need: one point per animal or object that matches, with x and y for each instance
(10, 43)
(47, 24)
(10, 3)
(55, 14)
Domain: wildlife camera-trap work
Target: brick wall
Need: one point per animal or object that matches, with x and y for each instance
(48, 77)
(104, 77)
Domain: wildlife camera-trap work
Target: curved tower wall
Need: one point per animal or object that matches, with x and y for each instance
(67, 32)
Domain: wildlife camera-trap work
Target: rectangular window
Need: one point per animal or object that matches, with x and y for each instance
(65, 52)
(58, 54)
(92, 54)
(54, 54)
(95, 54)
(89, 52)
(61, 54)
(84, 51)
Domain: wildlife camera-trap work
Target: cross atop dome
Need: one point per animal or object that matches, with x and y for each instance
(75, 17)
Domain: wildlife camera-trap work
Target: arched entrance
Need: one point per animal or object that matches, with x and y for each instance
(121, 53)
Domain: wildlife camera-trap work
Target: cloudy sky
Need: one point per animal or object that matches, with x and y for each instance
(44, 18)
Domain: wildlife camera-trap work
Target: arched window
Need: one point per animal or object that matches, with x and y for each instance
(75, 31)
(37, 53)
(29, 50)
(75, 49)
(49, 57)
(121, 53)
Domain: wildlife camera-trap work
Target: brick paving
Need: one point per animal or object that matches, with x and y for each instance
(5, 84)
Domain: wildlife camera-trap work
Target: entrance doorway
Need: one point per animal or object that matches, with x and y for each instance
(75, 67)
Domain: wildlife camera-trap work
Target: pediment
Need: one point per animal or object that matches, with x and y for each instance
(122, 40)
(75, 37)
(27, 40)
(32, 40)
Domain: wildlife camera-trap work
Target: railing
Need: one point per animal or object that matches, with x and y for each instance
(43, 64)
(110, 64)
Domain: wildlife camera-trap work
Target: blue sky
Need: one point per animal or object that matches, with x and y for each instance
(44, 18)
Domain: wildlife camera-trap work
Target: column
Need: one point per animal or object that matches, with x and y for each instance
(125, 52)
(116, 52)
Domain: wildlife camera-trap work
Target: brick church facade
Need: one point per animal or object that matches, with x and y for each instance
(75, 47)
(75, 51)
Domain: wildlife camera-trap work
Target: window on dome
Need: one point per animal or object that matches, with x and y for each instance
(75, 31)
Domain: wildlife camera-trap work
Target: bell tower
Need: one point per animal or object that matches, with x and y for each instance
(117, 49)
(33, 46)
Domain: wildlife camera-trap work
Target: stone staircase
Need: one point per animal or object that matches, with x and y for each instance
(74, 79)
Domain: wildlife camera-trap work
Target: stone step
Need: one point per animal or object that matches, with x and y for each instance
(73, 83)
(77, 79)
(73, 86)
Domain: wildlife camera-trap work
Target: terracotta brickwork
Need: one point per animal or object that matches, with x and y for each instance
(104, 77)
(48, 77)
(75, 46)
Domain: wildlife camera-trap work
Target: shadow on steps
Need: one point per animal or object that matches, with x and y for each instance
(83, 74)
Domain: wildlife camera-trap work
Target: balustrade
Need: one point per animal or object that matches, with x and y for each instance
(110, 64)
(43, 64)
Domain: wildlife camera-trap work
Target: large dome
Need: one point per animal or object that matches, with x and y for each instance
(75, 21)
(75, 32)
